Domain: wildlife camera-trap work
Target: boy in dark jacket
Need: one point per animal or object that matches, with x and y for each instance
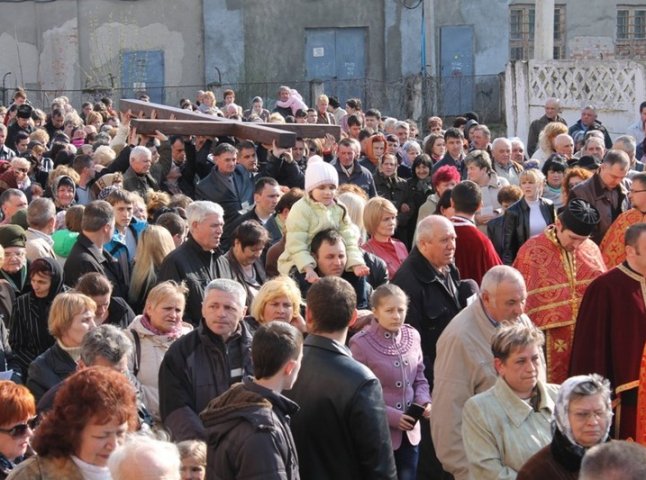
(248, 425)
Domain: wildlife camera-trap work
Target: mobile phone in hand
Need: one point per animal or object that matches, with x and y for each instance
(415, 410)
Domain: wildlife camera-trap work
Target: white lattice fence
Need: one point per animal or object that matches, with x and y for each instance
(615, 88)
(607, 85)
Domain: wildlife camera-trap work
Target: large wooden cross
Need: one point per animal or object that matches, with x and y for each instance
(177, 121)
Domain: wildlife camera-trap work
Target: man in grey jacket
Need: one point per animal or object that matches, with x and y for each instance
(464, 362)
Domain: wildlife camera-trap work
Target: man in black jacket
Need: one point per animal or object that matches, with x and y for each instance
(198, 260)
(228, 185)
(248, 426)
(205, 362)
(341, 431)
(88, 254)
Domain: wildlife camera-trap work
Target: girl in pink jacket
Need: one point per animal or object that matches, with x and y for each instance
(393, 351)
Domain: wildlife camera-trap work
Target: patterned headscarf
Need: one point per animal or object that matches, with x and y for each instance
(561, 420)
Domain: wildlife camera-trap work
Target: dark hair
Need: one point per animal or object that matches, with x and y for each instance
(42, 266)
(94, 284)
(97, 394)
(472, 116)
(249, 234)
(329, 235)
(354, 120)
(353, 103)
(334, 102)
(373, 112)
(444, 201)
(466, 197)
(173, 138)
(633, 233)
(422, 159)
(262, 181)
(97, 214)
(453, 133)
(273, 345)
(459, 122)
(555, 163)
(364, 133)
(172, 222)
(288, 200)
(246, 145)
(331, 304)
(80, 162)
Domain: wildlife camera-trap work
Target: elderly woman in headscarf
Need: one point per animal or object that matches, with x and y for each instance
(581, 420)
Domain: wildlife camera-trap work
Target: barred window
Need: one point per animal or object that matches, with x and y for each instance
(631, 24)
(521, 31)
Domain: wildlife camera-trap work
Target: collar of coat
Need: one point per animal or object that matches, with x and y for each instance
(516, 409)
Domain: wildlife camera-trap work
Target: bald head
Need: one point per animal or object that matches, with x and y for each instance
(564, 145)
(501, 151)
(145, 458)
(436, 241)
(552, 108)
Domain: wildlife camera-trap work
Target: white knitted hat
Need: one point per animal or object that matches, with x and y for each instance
(319, 173)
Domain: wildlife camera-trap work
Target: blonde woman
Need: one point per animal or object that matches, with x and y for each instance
(380, 221)
(154, 244)
(152, 334)
(546, 141)
(71, 316)
(278, 299)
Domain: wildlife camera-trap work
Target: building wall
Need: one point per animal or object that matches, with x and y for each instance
(67, 46)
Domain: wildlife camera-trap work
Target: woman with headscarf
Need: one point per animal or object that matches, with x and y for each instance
(28, 330)
(63, 192)
(581, 420)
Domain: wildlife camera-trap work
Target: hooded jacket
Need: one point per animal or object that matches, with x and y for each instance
(249, 435)
(28, 330)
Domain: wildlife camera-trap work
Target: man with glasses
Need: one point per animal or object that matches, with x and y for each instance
(606, 190)
(14, 267)
(612, 245)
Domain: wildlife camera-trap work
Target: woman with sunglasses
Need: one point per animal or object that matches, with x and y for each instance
(17, 421)
(93, 412)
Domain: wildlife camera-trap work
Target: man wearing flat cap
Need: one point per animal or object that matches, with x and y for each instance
(22, 124)
(558, 265)
(14, 267)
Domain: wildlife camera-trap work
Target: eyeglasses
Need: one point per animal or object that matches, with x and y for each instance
(21, 429)
(635, 191)
(587, 416)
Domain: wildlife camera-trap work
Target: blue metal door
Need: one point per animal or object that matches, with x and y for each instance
(456, 70)
(337, 57)
(143, 72)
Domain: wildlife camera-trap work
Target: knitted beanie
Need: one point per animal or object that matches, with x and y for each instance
(319, 173)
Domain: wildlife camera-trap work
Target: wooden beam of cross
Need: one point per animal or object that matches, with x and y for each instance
(258, 132)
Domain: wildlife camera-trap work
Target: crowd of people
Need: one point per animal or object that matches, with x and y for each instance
(397, 304)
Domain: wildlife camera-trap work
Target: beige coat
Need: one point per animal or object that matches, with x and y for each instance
(46, 468)
(153, 349)
(501, 431)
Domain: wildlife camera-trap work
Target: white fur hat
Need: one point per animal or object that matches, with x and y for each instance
(319, 173)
